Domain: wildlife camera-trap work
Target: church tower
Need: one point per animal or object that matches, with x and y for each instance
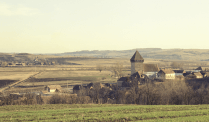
(136, 63)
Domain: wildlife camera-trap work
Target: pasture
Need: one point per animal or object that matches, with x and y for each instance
(104, 112)
(10, 79)
(67, 79)
(81, 70)
(15, 75)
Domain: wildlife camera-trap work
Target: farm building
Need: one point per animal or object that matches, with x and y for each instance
(76, 89)
(179, 72)
(151, 70)
(53, 88)
(121, 80)
(198, 75)
(166, 74)
(199, 69)
(137, 75)
(97, 85)
(135, 79)
(187, 73)
(205, 74)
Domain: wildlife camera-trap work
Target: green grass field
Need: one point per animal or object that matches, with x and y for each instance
(104, 112)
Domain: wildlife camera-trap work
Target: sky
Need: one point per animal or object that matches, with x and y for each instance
(57, 26)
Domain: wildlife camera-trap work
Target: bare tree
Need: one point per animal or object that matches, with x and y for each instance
(131, 95)
(117, 69)
(150, 94)
(94, 93)
(201, 95)
(120, 97)
(99, 67)
(176, 92)
(4, 64)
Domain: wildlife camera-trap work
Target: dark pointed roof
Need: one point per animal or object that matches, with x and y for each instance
(199, 68)
(136, 57)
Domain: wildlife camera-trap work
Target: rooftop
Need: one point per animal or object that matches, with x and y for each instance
(137, 57)
(54, 86)
(167, 71)
(151, 68)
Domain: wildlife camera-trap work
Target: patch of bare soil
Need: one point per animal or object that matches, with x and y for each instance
(6, 82)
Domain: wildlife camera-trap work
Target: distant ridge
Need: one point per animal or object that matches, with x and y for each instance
(153, 53)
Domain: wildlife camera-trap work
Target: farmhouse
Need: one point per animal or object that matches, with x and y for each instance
(121, 80)
(166, 74)
(53, 88)
(76, 89)
(179, 72)
(199, 69)
(187, 73)
(198, 75)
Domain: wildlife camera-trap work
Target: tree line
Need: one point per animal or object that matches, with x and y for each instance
(150, 93)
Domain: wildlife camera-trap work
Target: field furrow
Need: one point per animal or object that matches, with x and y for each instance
(104, 113)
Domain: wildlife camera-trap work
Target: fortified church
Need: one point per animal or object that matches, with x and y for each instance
(139, 70)
(138, 66)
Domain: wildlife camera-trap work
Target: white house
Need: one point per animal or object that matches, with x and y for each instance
(166, 74)
(53, 88)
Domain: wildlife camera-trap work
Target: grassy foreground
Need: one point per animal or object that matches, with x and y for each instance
(104, 112)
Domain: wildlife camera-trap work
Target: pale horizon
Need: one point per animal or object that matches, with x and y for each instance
(68, 26)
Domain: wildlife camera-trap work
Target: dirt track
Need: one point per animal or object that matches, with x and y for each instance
(20, 81)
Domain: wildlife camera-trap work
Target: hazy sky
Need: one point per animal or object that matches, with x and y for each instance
(55, 26)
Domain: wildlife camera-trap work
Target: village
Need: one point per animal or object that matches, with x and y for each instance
(141, 71)
(140, 74)
(138, 77)
(104, 60)
(19, 60)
